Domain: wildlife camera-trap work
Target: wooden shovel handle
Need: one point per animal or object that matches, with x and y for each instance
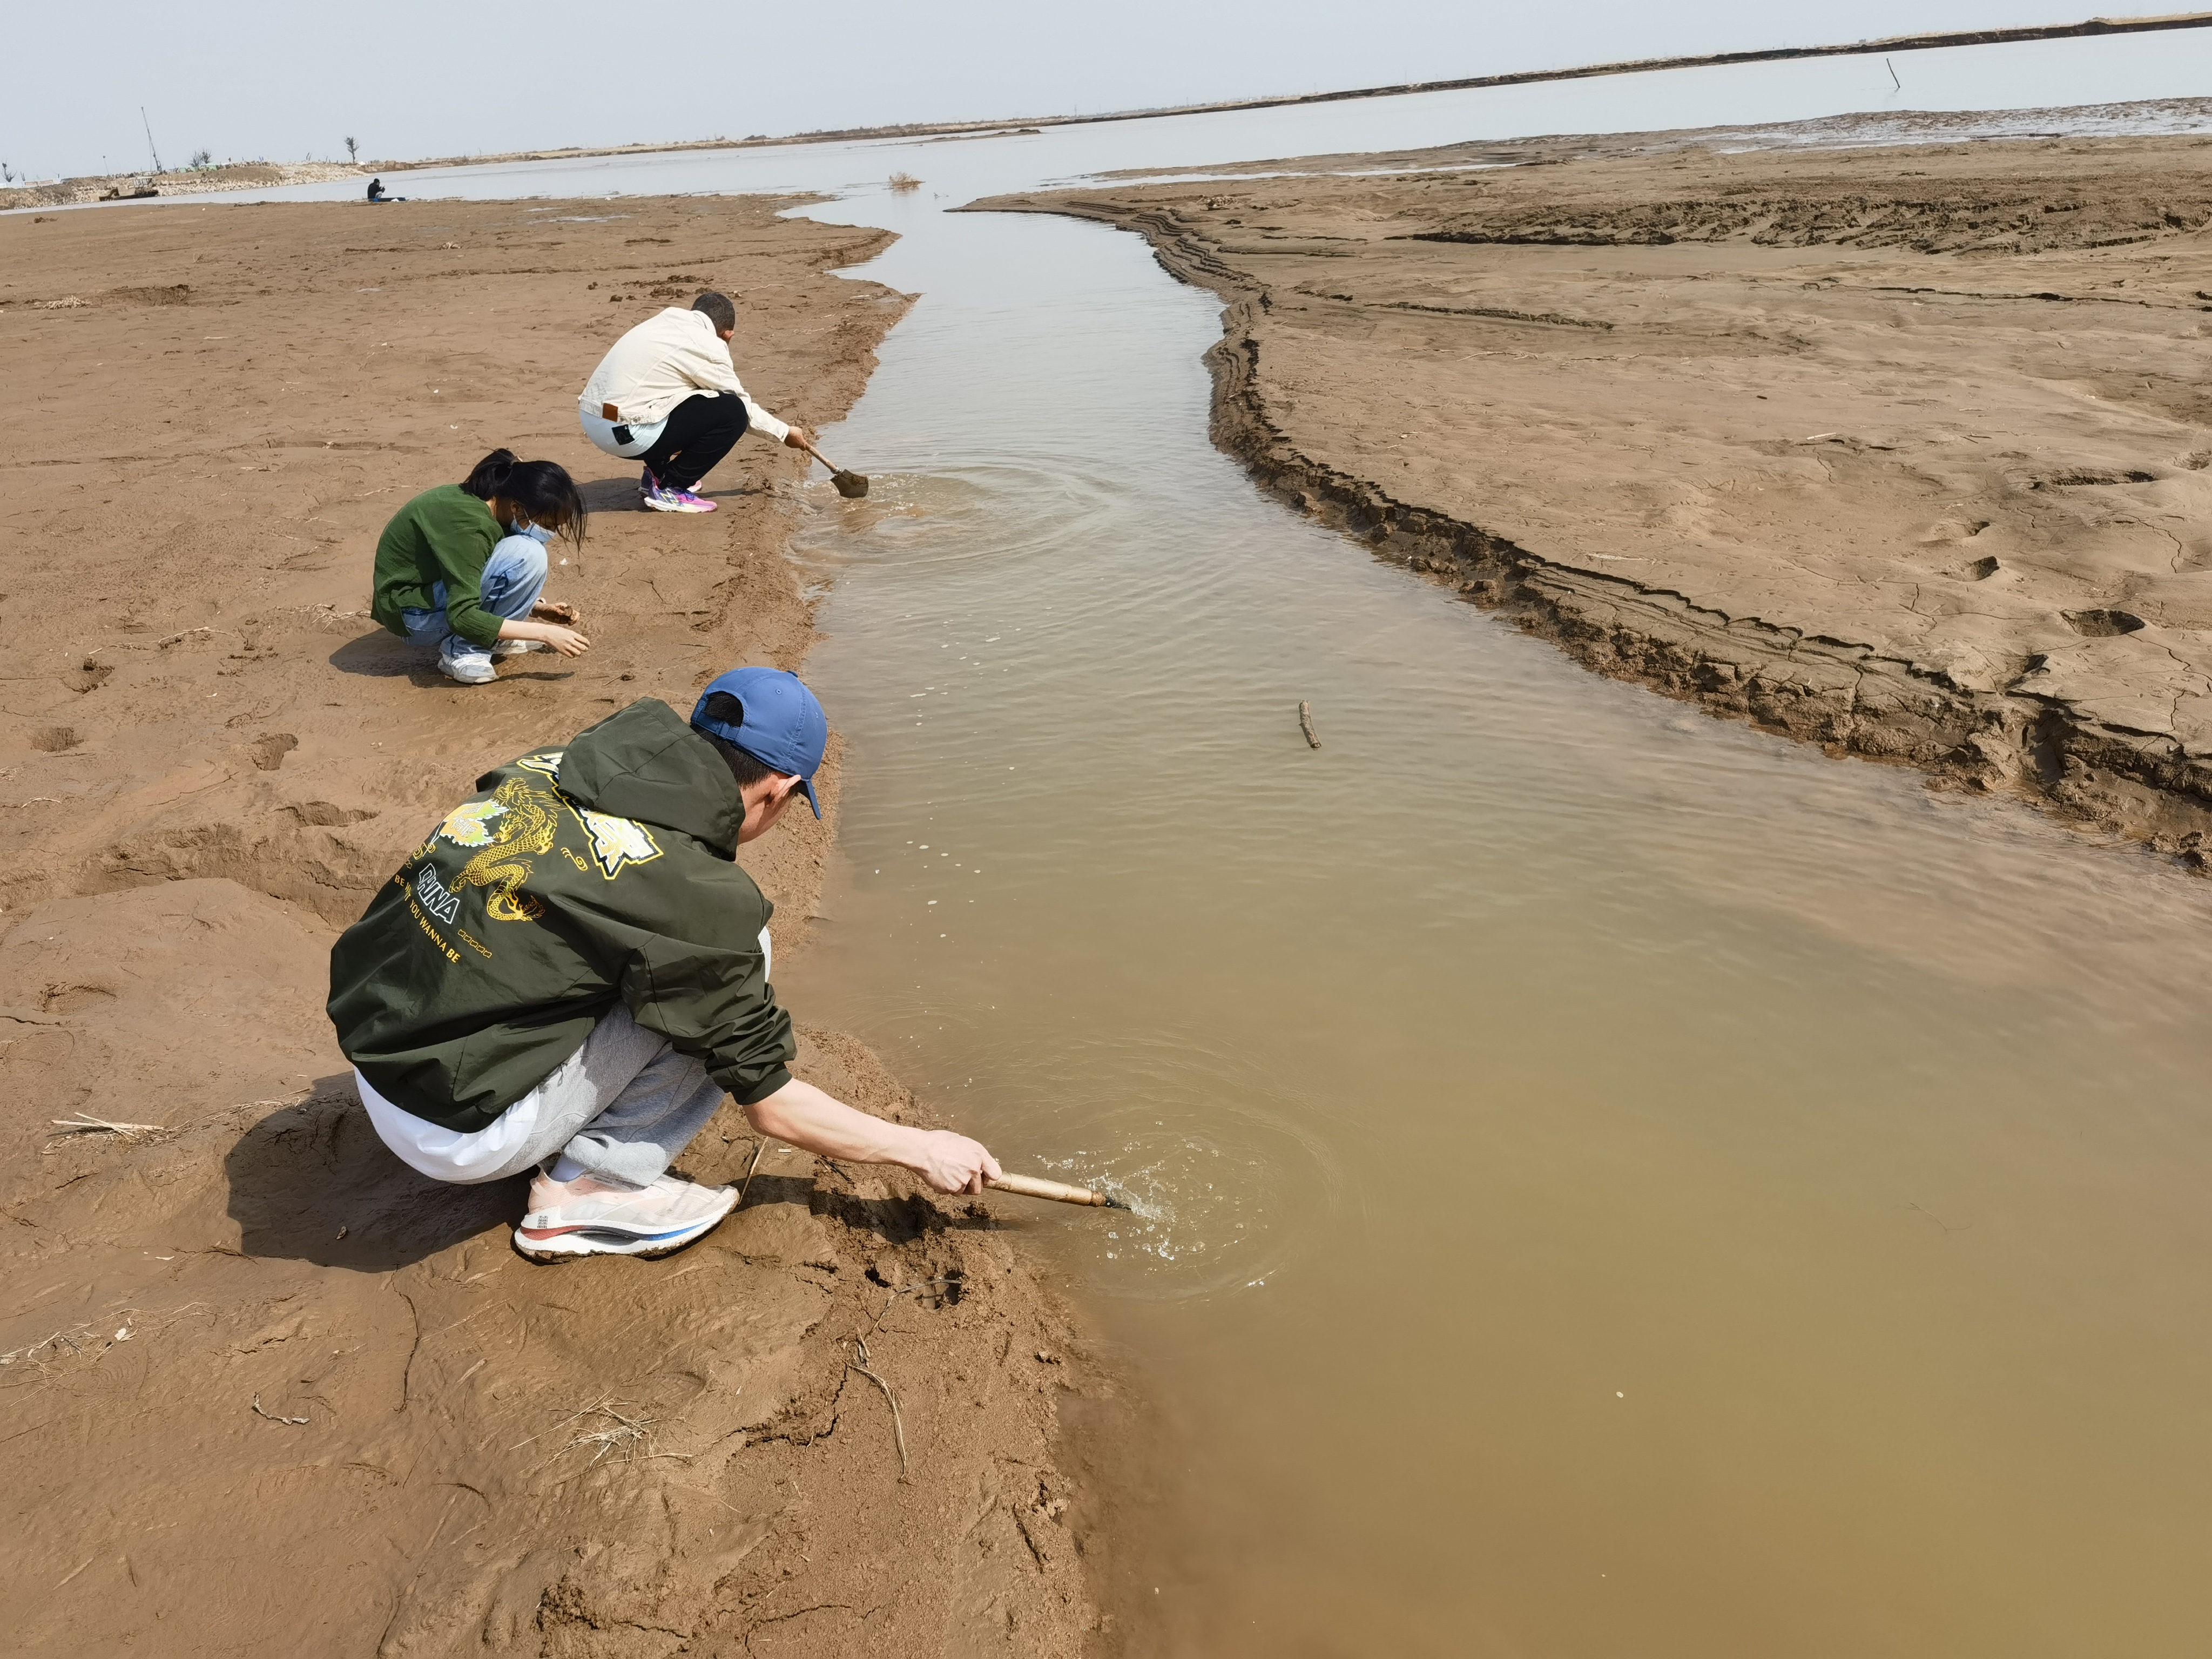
(820, 457)
(1059, 1192)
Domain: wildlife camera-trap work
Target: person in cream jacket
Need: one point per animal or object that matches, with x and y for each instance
(667, 394)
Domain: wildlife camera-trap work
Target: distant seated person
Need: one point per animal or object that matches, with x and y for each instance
(376, 192)
(669, 395)
(461, 567)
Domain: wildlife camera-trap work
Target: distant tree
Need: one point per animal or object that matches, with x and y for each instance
(6, 173)
(353, 149)
(202, 158)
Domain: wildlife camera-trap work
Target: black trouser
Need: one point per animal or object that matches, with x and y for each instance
(701, 430)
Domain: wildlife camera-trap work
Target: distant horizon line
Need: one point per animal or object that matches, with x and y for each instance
(2089, 27)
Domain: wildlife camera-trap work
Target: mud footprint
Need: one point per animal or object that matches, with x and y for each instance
(2085, 476)
(70, 999)
(268, 752)
(2103, 624)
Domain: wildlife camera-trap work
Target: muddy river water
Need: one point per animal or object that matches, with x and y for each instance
(1608, 1182)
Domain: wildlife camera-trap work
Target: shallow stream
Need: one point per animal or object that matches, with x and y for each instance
(1609, 1182)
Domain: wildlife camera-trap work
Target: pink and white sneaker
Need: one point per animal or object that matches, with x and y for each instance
(591, 1217)
(661, 498)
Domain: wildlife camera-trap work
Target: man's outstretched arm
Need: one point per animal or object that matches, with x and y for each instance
(802, 1115)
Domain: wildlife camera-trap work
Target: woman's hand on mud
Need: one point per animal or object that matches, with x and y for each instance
(554, 610)
(567, 641)
(953, 1163)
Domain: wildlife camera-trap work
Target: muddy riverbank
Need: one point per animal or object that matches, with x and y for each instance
(272, 1393)
(1895, 450)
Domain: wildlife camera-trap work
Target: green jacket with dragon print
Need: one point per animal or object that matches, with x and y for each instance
(574, 879)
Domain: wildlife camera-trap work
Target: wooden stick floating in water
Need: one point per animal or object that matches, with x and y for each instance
(1305, 724)
(1059, 1192)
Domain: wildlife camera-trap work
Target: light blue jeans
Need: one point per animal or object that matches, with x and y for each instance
(513, 578)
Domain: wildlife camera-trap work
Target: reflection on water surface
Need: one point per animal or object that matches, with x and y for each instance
(1610, 1180)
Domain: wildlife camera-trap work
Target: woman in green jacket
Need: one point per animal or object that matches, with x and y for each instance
(462, 567)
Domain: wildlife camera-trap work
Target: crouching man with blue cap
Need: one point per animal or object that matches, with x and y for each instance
(572, 971)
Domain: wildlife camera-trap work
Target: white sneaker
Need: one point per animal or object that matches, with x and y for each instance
(469, 671)
(516, 648)
(604, 1219)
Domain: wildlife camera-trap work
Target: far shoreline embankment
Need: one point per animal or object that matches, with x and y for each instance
(242, 175)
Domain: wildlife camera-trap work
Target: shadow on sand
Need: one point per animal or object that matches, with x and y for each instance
(311, 1182)
(386, 656)
(621, 494)
(612, 495)
(382, 655)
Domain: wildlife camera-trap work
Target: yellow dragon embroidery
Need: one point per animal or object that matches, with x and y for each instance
(522, 828)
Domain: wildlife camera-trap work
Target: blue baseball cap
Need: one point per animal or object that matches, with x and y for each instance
(778, 722)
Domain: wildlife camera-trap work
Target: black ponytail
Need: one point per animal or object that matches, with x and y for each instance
(542, 490)
(491, 475)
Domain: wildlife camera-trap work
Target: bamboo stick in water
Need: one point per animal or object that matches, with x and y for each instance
(1059, 1192)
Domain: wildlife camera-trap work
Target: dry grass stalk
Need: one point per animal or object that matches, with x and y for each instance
(30, 1353)
(628, 1434)
(84, 1337)
(82, 1124)
(629, 1438)
(759, 1146)
(904, 182)
(898, 1424)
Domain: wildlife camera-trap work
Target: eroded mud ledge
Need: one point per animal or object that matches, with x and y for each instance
(2010, 609)
(1848, 698)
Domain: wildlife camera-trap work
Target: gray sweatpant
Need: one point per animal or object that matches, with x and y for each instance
(623, 1105)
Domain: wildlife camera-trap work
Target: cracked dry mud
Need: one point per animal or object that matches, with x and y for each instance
(1901, 451)
(209, 756)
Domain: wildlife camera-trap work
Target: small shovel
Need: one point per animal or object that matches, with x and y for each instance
(851, 485)
(1059, 1192)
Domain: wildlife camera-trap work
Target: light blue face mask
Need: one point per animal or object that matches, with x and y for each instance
(537, 533)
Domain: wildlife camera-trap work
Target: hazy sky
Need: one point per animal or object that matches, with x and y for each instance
(411, 78)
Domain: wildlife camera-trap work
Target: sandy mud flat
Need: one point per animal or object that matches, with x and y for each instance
(1899, 449)
(268, 1392)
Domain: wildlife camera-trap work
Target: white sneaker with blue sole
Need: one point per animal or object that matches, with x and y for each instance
(592, 1217)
